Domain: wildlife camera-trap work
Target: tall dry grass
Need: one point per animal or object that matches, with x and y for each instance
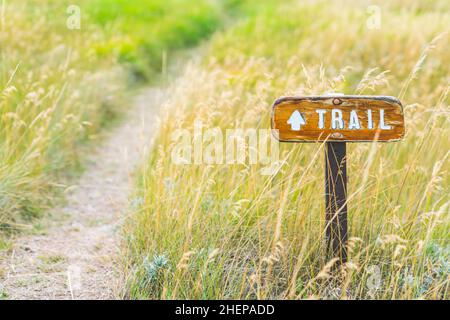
(55, 93)
(59, 86)
(226, 231)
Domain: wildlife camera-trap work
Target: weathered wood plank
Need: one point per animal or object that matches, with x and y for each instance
(336, 231)
(338, 118)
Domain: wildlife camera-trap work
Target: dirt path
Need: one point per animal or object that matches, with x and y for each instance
(76, 257)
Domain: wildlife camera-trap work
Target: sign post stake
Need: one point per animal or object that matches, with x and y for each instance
(335, 120)
(336, 200)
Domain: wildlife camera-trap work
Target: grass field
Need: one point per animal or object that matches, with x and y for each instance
(226, 231)
(143, 34)
(59, 85)
(69, 71)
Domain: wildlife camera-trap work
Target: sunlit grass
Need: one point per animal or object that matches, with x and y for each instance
(226, 231)
(54, 94)
(143, 33)
(59, 87)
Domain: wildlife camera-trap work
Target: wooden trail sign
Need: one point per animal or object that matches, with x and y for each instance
(337, 119)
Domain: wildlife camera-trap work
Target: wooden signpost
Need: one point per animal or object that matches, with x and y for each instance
(335, 120)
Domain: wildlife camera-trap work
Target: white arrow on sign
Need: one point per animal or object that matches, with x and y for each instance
(296, 121)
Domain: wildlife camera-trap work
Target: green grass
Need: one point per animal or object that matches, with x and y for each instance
(142, 33)
(226, 231)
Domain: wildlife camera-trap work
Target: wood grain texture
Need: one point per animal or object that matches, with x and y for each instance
(310, 131)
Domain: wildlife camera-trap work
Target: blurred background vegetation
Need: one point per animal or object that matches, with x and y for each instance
(141, 33)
